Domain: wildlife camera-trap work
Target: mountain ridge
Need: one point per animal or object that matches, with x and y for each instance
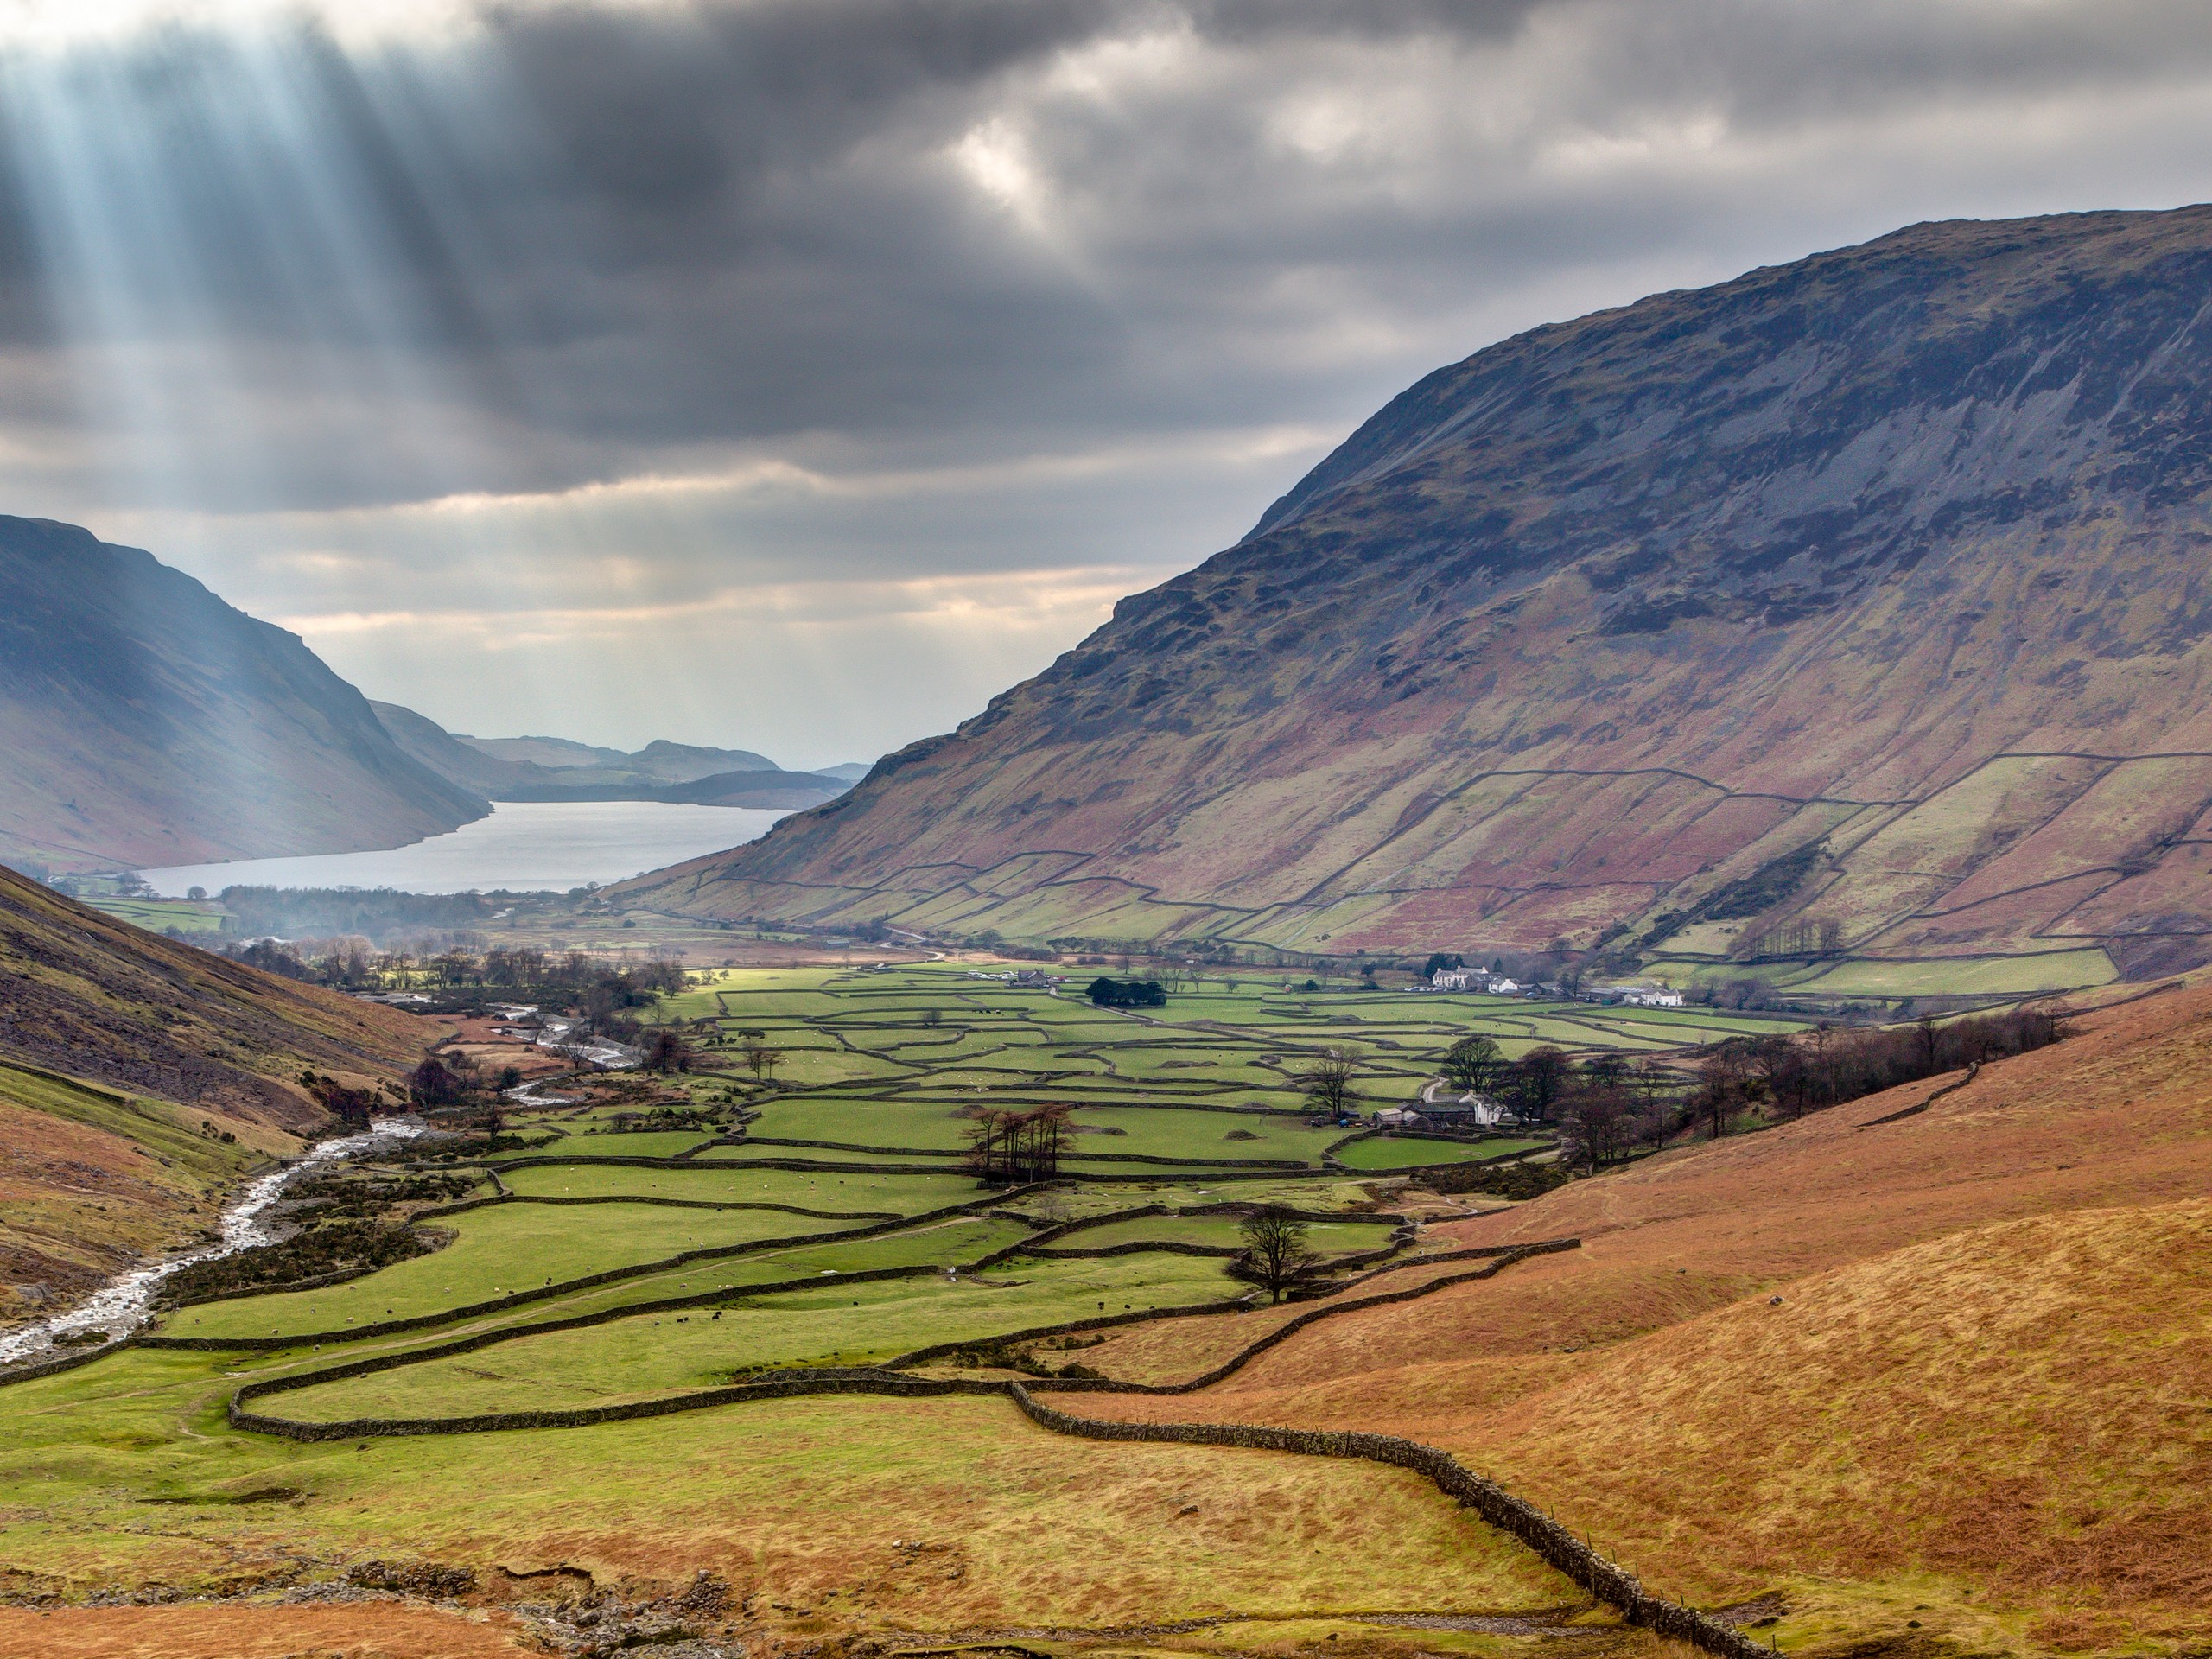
(1888, 552)
(681, 773)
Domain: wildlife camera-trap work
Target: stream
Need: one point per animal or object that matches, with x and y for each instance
(125, 1301)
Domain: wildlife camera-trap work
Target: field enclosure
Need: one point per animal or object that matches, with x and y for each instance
(564, 1380)
(894, 1064)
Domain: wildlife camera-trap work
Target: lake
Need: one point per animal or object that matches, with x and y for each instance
(525, 846)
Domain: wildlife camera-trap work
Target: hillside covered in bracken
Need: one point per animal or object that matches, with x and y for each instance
(1853, 609)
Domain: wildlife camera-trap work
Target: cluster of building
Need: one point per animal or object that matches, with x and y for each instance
(1024, 979)
(1490, 984)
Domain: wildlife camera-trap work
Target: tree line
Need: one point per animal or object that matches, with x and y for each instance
(1606, 1107)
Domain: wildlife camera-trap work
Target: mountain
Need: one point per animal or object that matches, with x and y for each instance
(547, 751)
(501, 768)
(685, 763)
(658, 762)
(462, 762)
(144, 722)
(1855, 609)
(124, 1061)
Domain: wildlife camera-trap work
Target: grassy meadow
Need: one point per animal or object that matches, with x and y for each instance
(723, 1255)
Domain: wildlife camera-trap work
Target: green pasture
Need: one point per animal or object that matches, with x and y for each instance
(723, 1183)
(836, 1324)
(655, 1143)
(892, 1122)
(950, 1241)
(500, 1249)
(1384, 1152)
(1330, 1237)
(161, 915)
(1163, 1132)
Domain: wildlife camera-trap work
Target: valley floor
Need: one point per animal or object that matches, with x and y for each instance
(1939, 1384)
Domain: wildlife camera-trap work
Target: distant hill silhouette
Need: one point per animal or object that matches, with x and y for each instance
(555, 769)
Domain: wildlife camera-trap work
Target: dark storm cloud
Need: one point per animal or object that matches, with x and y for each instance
(534, 352)
(586, 237)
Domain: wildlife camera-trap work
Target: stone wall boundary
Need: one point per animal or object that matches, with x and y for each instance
(1075, 1327)
(1552, 1543)
(1286, 1165)
(1290, 1328)
(63, 1361)
(1136, 1247)
(1557, 1546)
(464, 1205)
(589, 1281)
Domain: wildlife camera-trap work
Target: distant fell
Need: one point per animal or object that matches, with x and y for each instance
(144, 722)
(546, 769)
(461, 763)
(1852, 614)
(658, 762)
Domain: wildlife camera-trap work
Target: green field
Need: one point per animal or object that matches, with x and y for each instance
(1202, 1105)
(1387, 1152)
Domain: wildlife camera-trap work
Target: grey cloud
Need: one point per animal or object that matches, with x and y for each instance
(256, 290)
(591, 236)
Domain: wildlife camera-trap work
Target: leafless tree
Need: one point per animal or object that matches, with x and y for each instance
(1277, 1253)
(762, 1061)
(1328, 1081)
(1018, 1147)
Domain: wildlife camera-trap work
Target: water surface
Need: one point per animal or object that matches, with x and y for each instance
(525, 847)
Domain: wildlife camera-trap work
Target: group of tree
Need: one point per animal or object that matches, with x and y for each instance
(1016, 1147)
(1128, 993)
(1607, 1106)
(595, 985)
(1807, 1071)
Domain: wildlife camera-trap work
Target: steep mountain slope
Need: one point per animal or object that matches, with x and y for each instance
(94, 998)
(144, 722)
(464, 764)
(1855, 607)
(1946, 1371)
(124, 1060)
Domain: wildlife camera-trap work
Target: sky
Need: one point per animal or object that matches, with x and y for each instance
(793, 375)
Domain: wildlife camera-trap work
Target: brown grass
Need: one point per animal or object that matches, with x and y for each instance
(384, 1631)
(1990, 1368)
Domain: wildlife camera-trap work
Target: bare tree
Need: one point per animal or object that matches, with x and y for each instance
(1328, 1081)
(1537, 1080)
(1277, 1253)
(1596, 1125)
(668, 1053)
(762, 1061)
